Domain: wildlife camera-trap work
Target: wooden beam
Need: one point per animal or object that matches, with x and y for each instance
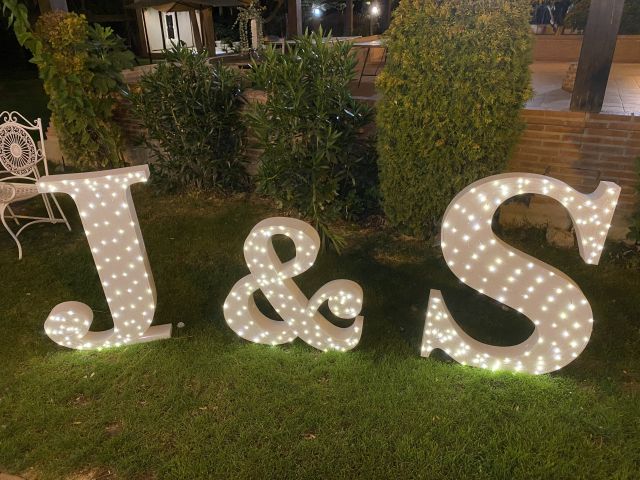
(348, 18)
(596, 55)
(206, 17)
(52, 5)
(197, 36)
(143, 36)
(294, 18)
(175, 19)
(161, 19)
(59, 5)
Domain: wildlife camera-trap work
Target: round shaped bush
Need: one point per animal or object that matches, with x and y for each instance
(456, 77)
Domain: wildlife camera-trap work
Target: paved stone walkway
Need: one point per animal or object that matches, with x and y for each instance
(622, 96)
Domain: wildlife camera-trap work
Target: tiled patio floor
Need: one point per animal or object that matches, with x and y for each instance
(622, 96)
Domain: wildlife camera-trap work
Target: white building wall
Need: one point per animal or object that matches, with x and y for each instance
(154, 31)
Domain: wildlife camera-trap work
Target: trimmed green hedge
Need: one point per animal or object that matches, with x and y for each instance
(456, 78)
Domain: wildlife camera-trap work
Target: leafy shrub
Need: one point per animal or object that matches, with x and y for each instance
(577, 15)
(630, 24)
(457, 74)
(316, 160)
(191, 110)
(80, 67)
(634, 229)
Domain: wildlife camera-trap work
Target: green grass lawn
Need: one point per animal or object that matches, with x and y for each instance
(206, 404)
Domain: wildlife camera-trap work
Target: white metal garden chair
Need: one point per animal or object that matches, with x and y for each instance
(20, 159)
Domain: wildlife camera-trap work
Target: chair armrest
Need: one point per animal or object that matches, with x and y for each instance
(7, 193)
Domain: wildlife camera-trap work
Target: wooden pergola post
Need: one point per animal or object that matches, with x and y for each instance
(52, 5)
(143, 36)
(294, 18)
(206, 17)
(197, 35)
(161, 21)
(596, 55)
(348, 18)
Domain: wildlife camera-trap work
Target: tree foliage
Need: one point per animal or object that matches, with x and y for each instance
(630, 24)
(80, 68)
(634, 228)
(456, 77)
(316, 160)
(191, 110)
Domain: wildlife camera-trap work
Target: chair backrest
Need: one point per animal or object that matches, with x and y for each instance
(19, 153)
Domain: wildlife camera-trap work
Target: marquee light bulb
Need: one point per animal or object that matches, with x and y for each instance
(559, 310)
(118, 251)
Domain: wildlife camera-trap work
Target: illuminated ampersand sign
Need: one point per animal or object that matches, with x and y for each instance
(274, 279)
(111, 226)
(559, 310)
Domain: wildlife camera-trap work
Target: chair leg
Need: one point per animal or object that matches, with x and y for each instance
(47, 205)
(3, 207)
(64, 217)
(15, 219)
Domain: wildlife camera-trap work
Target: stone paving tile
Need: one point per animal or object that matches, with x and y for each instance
(622, 96)
(615, 110)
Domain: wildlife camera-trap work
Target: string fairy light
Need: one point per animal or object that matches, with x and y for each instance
(561, 314)
(274, 279)
(111, 226)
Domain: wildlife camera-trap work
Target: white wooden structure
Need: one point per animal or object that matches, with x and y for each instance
(165, 29)
(186, 22)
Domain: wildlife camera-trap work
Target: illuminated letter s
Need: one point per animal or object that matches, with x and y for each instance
(556, 305)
